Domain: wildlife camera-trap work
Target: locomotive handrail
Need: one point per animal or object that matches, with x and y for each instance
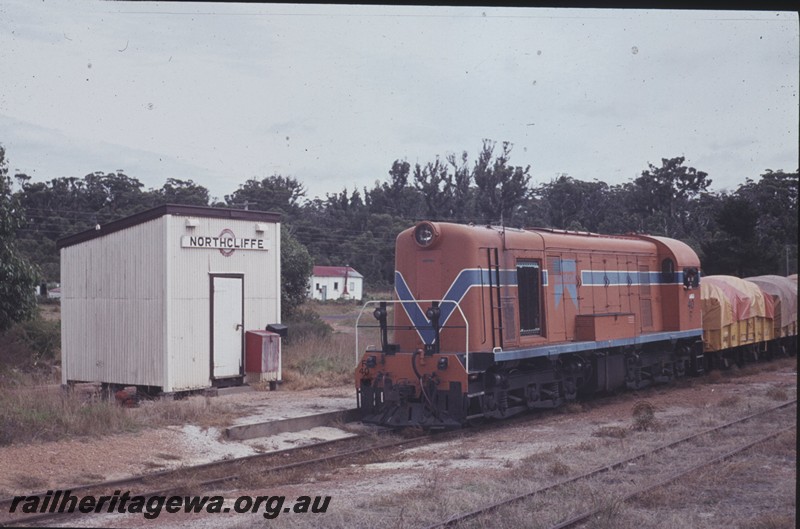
(456, 303)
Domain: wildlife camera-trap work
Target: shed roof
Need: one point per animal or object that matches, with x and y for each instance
(335, 271)
(167, 209)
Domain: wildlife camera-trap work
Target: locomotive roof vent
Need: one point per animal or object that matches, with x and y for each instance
(426, 234)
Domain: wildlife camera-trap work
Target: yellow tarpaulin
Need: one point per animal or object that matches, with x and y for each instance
(784, 297)
(735, 312)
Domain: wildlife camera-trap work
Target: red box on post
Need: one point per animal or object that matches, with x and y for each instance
(263, 356)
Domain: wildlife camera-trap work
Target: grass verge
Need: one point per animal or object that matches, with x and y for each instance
(318, 362)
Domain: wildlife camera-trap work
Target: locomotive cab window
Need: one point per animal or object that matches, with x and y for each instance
(667, 270)
(529, 281)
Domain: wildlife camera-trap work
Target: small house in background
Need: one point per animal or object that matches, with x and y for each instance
(335, 282)
(52, 291)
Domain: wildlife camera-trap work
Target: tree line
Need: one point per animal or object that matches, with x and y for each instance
(749, 231)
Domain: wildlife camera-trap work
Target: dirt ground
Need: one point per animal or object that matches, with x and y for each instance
(49, 465)
(425, 484)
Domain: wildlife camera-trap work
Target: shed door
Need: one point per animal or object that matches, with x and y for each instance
(227, 326)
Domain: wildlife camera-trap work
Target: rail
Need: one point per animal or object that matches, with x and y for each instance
(574, 521)
(417, 302)
(461, 517)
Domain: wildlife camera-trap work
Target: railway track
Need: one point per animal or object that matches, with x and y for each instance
(722, 452)
(340, 452)
(196, 478)
(199, 477)
(587, 515)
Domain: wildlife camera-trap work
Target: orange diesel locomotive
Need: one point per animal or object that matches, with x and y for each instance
(490, 321)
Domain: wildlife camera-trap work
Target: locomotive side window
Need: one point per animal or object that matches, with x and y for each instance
(667, 270)
(530, 297)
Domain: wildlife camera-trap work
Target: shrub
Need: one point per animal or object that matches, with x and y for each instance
(34, 413)
(558, 469)
(319, 362)
(30, 346)
(729, 402)
(306, 324)
(616, 432)
(644, 416)
(30, 414)
(777, 394)
(43, 338)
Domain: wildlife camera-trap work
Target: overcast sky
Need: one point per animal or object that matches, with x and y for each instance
(332, 95)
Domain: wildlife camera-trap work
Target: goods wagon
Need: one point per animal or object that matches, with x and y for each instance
(783, 292)
(736, 314)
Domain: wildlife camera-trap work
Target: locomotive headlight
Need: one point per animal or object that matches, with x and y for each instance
(425, 234)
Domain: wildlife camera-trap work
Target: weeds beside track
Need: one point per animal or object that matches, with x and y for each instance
(462, 519)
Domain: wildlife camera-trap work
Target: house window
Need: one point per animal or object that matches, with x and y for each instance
(530, 297)
(318, 286)
(352, 286)
(336, 285)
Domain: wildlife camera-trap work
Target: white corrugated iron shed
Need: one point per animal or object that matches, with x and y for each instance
(163, 298)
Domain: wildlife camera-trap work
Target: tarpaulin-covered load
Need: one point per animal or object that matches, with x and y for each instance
(735, 313)
(784, 297)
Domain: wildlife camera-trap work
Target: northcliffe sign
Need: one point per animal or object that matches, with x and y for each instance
(226, 242)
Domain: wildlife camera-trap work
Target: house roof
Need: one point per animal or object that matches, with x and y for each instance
(336, 271)
(167, 209)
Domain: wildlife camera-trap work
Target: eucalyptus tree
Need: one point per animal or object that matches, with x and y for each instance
(756, 231)
(435, 184)
(661, 197)
(17, 276)
(186, 192)
(501, 188)
(568, 203)
(282, 194)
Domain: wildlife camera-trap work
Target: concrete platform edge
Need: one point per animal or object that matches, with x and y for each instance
(294, 424)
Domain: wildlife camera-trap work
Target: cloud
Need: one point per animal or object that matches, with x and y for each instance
(58, 155)
(332, 94)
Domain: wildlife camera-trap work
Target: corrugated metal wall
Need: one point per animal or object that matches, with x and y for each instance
(112, 307)
(189, 299)
(136, 305)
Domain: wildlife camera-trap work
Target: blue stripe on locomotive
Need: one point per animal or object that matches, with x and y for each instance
(469, 278)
